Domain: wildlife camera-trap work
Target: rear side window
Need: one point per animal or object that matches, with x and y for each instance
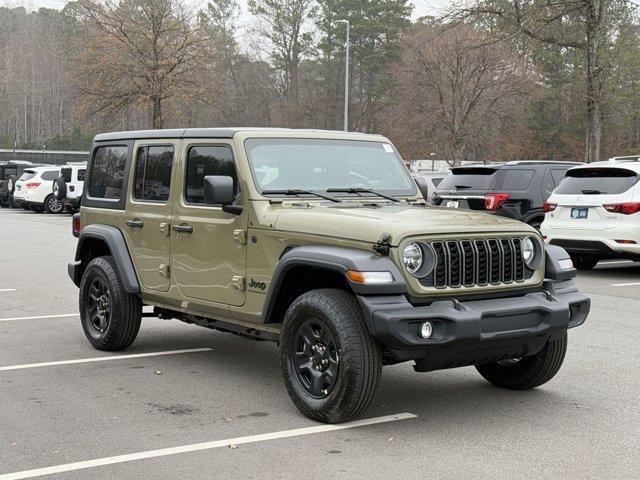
(203, 161)
(50, 175)
(153, 173)
(81, 174)
(27, 175)
(478, 178)
(107, 172)
(597, 181)
(514, 179)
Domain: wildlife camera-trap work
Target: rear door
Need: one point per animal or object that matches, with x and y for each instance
(148, 211)
(465, 187)
(583, 192)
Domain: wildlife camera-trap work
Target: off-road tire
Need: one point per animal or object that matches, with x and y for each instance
(49, 208)
(360, 358)
(60, 188)
(584, 262)
(528, 372)
(126, 308)
(11, 184)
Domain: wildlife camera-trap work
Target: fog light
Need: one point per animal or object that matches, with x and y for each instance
(426, 329)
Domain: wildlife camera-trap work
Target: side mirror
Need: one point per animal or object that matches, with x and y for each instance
(423, 186)
(218, 190)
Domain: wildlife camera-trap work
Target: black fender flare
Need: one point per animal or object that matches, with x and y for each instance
(114, 239)
(337, 259)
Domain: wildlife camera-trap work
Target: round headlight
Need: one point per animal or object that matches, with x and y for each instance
(412, 257)
(528, 251)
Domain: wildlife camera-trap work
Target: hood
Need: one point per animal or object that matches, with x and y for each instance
(367, 223)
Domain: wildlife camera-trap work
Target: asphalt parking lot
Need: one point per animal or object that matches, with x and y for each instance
(208, 394)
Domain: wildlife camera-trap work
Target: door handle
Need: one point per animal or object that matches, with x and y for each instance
(182, 228)
(135, 223)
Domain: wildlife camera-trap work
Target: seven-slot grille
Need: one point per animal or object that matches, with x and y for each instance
(476, 262)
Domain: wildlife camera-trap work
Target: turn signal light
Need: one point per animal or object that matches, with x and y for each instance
(32, 185)
(624, 208)
(493, 200)
(369, 278)
(549, 207)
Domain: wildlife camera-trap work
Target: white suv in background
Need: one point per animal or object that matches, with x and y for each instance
(34, 189)
(594, 213)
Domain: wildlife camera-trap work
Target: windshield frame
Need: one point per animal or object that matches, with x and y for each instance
(382, 141)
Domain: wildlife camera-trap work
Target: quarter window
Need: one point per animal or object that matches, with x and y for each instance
(81, 173)
(107, 172)
(50, 175)
(153, 173)
(207, 160)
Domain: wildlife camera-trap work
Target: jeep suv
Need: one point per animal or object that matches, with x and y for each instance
(67, 188)
(319, 241)
(10, 172)
(515, 190)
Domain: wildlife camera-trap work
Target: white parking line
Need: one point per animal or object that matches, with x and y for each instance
(40, 317)
(630, 284)
(102, 359)
(7, 289)
(99, 462)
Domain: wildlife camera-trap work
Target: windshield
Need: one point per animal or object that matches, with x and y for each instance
(319, 164)
(597, 181)
(468, 178)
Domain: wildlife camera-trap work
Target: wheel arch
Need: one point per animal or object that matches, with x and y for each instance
(101, 240)
(305, 268)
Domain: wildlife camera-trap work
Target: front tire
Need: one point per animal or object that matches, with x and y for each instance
(331, 366)
(110, 317)
(528, 372)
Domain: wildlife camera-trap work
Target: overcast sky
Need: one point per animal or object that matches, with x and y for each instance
(422, 7)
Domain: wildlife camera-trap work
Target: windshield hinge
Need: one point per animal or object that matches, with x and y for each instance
(383, 245)
(240, 236)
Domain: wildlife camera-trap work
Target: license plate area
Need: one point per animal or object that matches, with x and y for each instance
(579, 213)
(453, 203)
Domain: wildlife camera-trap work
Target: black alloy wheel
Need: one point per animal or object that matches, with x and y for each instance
(98, 306)
(315, 359)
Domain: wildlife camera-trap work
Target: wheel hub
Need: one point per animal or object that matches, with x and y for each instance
(320, 357)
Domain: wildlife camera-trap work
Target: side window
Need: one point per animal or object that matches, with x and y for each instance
(107, 172)
(517, 179)
(557, 175)
(207, 160)
(152, 177)
(81, 174)
(50, 175)
(548, 184)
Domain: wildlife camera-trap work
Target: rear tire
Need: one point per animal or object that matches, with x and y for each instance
(332, 322)
(528, 372)
(584, 262)
(110, 317)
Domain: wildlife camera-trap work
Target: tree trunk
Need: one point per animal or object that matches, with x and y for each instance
(157, 120)
(594, 84)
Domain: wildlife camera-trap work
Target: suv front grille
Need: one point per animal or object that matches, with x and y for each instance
(469, 263)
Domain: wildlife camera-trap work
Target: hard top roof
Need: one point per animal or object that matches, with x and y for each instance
(200, 133)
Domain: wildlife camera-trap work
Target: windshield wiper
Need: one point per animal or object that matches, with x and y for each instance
(592, 192)
(359, 190)
(297, 192)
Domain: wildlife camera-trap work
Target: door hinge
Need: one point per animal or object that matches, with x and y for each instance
(163, 270)
(240, 236)
(165, 228)
(238, 282)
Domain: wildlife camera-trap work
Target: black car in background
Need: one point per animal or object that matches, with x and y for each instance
(10, 172)
(516, 189)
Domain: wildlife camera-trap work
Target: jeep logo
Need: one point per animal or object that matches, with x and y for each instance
(257, 285)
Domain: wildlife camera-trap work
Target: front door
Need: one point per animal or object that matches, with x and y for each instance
(149, 205)
(208, 251)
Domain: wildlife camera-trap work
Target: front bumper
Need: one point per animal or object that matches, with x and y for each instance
(475, 331)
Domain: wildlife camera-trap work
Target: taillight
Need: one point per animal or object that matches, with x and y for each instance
(32, 184)
(493, 200)
(624, 208)
(549, 207)
(75, 225)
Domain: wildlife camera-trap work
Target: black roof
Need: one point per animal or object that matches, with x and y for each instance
(190, 133)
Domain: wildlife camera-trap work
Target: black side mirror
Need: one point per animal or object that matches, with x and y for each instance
(218, 190)
(423, 186)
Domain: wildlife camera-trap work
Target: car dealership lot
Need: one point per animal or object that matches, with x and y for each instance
(218, 387)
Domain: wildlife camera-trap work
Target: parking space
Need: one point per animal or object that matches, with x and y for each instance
(209, 394)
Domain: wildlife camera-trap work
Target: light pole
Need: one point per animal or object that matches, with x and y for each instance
(346, 76)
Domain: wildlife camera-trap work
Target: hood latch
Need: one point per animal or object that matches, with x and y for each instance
(383, 245)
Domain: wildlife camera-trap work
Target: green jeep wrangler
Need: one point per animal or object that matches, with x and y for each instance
(319, 241)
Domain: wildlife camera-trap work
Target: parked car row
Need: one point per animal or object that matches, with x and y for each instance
(41, 188)
(591, 210)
